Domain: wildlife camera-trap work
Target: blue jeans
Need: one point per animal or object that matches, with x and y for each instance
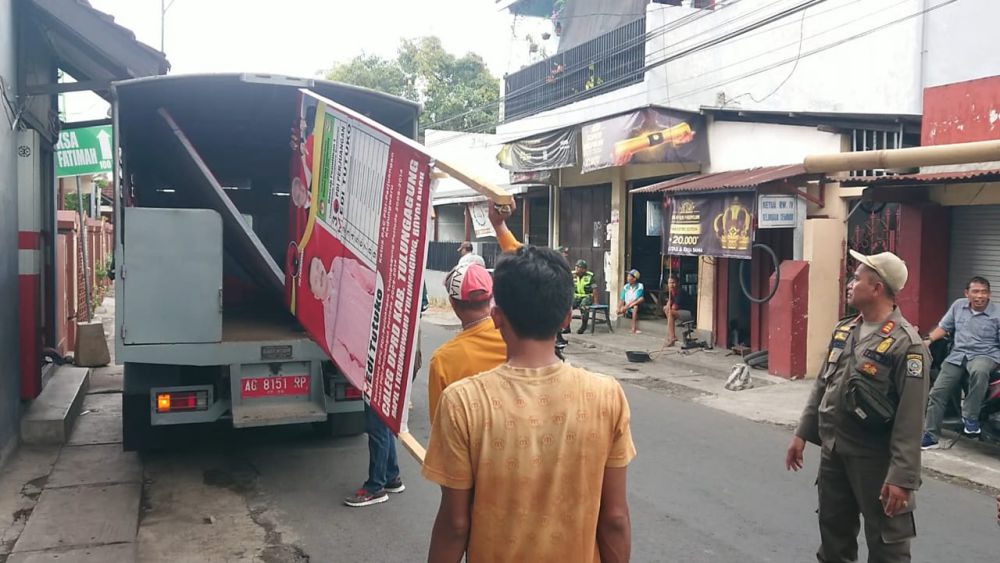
(382, 463)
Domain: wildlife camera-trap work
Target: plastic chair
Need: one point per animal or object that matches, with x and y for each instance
(594, 311)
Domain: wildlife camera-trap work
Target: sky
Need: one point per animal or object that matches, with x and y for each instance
(304, 37)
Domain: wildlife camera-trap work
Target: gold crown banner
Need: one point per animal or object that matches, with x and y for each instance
(732, 226)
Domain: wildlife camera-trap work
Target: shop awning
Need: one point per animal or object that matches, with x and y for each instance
(734, 180)
(91, 47)
(963, 177)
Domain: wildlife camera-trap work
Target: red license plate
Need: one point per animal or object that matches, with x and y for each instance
(279, 385)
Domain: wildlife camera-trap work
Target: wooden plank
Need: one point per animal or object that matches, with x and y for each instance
(64, 87)
(496, 194)
(237, 234)
(413, 446)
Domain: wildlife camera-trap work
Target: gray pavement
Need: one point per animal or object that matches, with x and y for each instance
(706, 486)
(78, 502)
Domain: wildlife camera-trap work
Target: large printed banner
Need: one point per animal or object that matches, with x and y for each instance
(645, 136)
(548, 151)
(720, 225)
(358, 237)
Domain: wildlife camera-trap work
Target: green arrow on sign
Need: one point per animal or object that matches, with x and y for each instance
(83, 151)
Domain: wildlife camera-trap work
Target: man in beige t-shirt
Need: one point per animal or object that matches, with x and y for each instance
(531, 456)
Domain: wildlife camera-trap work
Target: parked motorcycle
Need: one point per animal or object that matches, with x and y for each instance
(989, 414)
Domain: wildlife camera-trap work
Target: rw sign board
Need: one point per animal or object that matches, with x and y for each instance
(87, 150)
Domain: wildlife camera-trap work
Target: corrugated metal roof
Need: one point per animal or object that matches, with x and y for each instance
(728, 181)
(963, 177)
(91, 46)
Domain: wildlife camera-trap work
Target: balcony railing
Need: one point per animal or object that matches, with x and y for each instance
(608, 62)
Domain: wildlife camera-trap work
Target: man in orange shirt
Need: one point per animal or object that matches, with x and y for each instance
(531, 456)
(479, 347)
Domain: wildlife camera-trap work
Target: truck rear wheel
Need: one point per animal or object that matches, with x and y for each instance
(138, 433)
(341, 425)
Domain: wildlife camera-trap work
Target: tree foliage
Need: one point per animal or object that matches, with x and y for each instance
(460, 90)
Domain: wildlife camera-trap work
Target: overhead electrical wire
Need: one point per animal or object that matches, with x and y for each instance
(565, 101)
(628, 44)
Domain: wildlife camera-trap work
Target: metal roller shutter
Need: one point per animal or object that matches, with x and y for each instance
(975, 246)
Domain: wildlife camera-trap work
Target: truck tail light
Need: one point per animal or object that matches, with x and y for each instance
(181, 401)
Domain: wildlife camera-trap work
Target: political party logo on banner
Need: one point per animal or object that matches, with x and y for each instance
(645, 136)
(548, 151)
(84, 151)
(358, 236)
(718, 225)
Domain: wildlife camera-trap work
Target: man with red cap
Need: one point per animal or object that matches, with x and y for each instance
(479, 347)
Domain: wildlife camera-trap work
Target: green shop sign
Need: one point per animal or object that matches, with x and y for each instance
(84, 151)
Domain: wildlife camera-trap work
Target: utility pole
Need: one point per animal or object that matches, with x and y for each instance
(164, 6)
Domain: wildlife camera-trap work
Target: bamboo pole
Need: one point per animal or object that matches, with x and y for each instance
(413, 446)
(958, 153)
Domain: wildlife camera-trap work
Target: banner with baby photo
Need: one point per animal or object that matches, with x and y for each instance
(360, 204)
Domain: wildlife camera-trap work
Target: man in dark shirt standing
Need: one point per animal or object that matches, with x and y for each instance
(678, 308)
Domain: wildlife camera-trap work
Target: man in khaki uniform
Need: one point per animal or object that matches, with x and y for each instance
(866, 412)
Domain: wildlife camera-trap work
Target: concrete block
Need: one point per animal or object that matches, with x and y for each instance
(50, 417)
(95, 465)
(118, 553)
(82, 516)
(91, 345)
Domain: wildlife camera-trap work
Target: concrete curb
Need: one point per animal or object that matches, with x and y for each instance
(50, 417)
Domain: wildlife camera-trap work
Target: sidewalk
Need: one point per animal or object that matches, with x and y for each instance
(77, 502)
(699, 376)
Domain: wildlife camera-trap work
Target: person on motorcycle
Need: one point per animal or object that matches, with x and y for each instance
(974, 323)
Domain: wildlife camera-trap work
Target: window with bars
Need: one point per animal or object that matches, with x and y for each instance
(876, 140)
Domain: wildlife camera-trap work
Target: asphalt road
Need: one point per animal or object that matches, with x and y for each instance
(706, 487)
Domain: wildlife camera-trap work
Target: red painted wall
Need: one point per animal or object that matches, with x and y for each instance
(962, 112)
(789, 321)
(721, 302)
(922, 242)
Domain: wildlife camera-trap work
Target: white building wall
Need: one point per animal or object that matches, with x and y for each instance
(878, 73)
(960, 42)
(735, 145)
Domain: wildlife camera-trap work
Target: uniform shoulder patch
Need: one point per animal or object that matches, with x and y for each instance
(915, 365)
